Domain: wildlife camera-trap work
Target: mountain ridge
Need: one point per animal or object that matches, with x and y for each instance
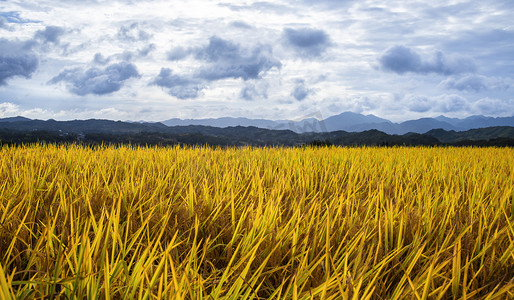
(97, 132)
(353, 122)
(346, 121)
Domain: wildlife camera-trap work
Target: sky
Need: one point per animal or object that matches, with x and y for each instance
(154, 60)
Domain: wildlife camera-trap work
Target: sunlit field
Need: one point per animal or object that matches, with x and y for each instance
(256, 223)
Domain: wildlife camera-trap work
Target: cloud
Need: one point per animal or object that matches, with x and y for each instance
(182, 87)
(357, 104)
(51, 34)
(418, 104)
(143, 52)
(132, 33)
(8, 109)
(221, 59)
(178, 53)
(16, 59)
(100, 59)
(254, 91)
(401, 59)
(14, 17)
(300, 91)
(474, 83)
(307, 41)
(229, 60)
(261, 6)
(450, 103)
(95, 80)
(446, 103)
(126, 56)
(488, 106)
(330, 4)
(240, 24)
(482, 39)
(3, 23)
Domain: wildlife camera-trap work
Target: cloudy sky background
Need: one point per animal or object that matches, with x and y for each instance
(155, 60)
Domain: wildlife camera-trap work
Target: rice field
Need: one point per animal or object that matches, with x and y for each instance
(256, 223)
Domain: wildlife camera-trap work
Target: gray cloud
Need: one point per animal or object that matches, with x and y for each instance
(97, 81)
(418, 104)
(450, 103)
(16, 59)
(146, 50)
(248, 92)
(482, 40)
(178, 53)
(331, 4)
(3, 23)
(300, 91)
(223, 59)
(240, 24)
(492, 47)
(131, 55)
(229, 60)
(182, 87)
(307, 41)
(132, 33)
(14, 17)
(51, 34)
(261, 6)
(446, 103)
(100, 59)
(488, 106)
(400, 59)
(254, 91)
(126, 56)
(474, 83)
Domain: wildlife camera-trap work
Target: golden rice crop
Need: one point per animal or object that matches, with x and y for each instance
(256, 223)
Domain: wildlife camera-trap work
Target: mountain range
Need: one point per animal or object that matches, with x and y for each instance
(353, 122)
(20, 130)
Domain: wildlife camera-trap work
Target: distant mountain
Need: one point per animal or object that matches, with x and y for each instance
(14, 119)
(353, 122)
(222, 122)
(423, 125)
(474, 122)
(349, 121)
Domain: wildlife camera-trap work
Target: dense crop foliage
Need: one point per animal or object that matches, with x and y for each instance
(283, 223)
